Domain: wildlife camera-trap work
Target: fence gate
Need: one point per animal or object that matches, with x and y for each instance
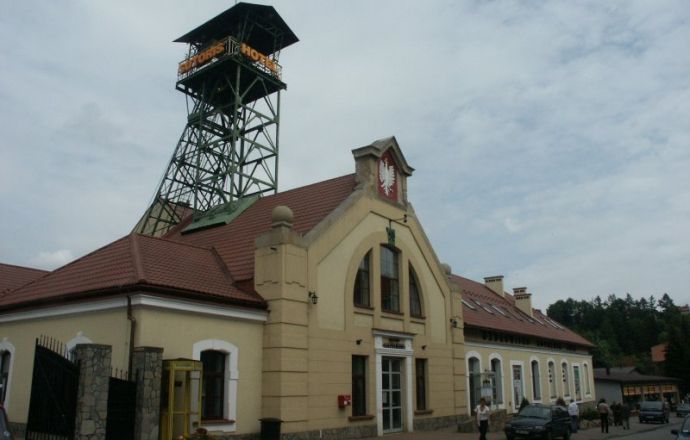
(122, 396)
(53, 402)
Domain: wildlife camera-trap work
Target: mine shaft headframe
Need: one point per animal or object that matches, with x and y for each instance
(259, 26)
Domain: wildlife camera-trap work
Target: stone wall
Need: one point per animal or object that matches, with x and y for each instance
(147, 364)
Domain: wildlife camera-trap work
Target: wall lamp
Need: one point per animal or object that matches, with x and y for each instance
(313, 298)
(454, 322)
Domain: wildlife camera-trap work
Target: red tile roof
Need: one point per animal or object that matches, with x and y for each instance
(235, 241)
(492, 312)
(12, 277)
(141, 263)
(214, 264)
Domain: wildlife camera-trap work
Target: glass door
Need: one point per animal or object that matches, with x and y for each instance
(517, 386)
(391, 379)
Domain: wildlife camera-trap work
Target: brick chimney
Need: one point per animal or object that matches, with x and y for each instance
(523, 300)
(495, 283)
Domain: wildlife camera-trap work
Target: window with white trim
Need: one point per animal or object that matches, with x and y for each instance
(5, 361)
(497, 381)
(536, 381)
(585, 371)
(552, 380)
(566, 382)
(221, 377)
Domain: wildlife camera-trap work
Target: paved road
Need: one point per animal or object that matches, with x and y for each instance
(637, 431)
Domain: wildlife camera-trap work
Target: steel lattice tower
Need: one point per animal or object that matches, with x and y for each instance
(228, 152)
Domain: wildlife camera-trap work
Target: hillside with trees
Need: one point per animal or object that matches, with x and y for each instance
(624, 329)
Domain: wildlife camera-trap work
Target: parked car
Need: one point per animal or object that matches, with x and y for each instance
(683, 410)
(5, 433)
(539, 422)
(684, 432)
(654, 411)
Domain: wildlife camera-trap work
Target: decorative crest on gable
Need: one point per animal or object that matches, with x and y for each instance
(382, 168)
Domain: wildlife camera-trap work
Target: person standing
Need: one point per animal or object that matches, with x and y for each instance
(625, 415)
(574, 413)
(604, 412)
(483, 411)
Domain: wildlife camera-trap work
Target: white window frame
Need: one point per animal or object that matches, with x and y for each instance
(7, 346)
(554, 376)
(498, 357)
(469, 355)
(576, 380)
(231, 378)
(565, 379)
(521, 364)
(586, 371)
(539, 381)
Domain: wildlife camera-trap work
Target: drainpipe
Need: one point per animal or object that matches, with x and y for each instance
(132, 328)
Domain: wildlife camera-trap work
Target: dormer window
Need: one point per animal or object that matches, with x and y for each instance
(390, 280)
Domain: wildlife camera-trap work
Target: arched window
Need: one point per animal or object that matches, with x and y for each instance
(362, 295)
(566, 382)
(536, 381)
(585, 372)
(415, 297)
(552, 380)
(474, 372)
(497, 381)
(5, 360)
(390, 280)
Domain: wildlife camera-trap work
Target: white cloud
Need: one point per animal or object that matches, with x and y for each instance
(549, 139)
(52, 259)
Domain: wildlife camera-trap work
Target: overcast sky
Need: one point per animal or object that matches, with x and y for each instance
(551, 140)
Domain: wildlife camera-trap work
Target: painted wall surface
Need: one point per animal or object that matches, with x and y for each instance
(338, 329)
(523, 356)
(101, 327)
(178, 331)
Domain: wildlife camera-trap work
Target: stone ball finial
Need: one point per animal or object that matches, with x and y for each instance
(447, 269)
(282, 216)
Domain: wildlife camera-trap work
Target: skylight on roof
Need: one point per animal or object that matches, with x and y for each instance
(468, 304)
(498, 310)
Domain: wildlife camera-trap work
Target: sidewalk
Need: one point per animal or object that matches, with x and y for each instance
(588, 434)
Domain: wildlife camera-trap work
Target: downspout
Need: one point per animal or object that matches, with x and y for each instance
(132, 329)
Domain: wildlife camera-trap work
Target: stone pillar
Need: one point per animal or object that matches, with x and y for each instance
(281, 279)
(92, 398)
(147, 365)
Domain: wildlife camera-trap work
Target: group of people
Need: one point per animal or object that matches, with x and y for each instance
(619, 411)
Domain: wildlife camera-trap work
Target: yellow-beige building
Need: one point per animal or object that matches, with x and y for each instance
(515, 352)
(324, 306)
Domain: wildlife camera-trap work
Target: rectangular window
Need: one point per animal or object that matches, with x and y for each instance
(536, 381)
(421, 375)
(390, 292)
(214, 384)
(566, 384)
(359, 385)
(585, 370)
(362, 296)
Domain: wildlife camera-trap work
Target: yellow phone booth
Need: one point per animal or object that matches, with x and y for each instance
(180, 398)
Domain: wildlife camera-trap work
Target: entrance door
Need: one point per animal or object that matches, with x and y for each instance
(391, 378)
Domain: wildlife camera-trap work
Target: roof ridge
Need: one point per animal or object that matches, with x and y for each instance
(135, 251)
(24, 267)
(167, 240)
(69, 264)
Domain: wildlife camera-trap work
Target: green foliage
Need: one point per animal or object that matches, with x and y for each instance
(628, 328)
